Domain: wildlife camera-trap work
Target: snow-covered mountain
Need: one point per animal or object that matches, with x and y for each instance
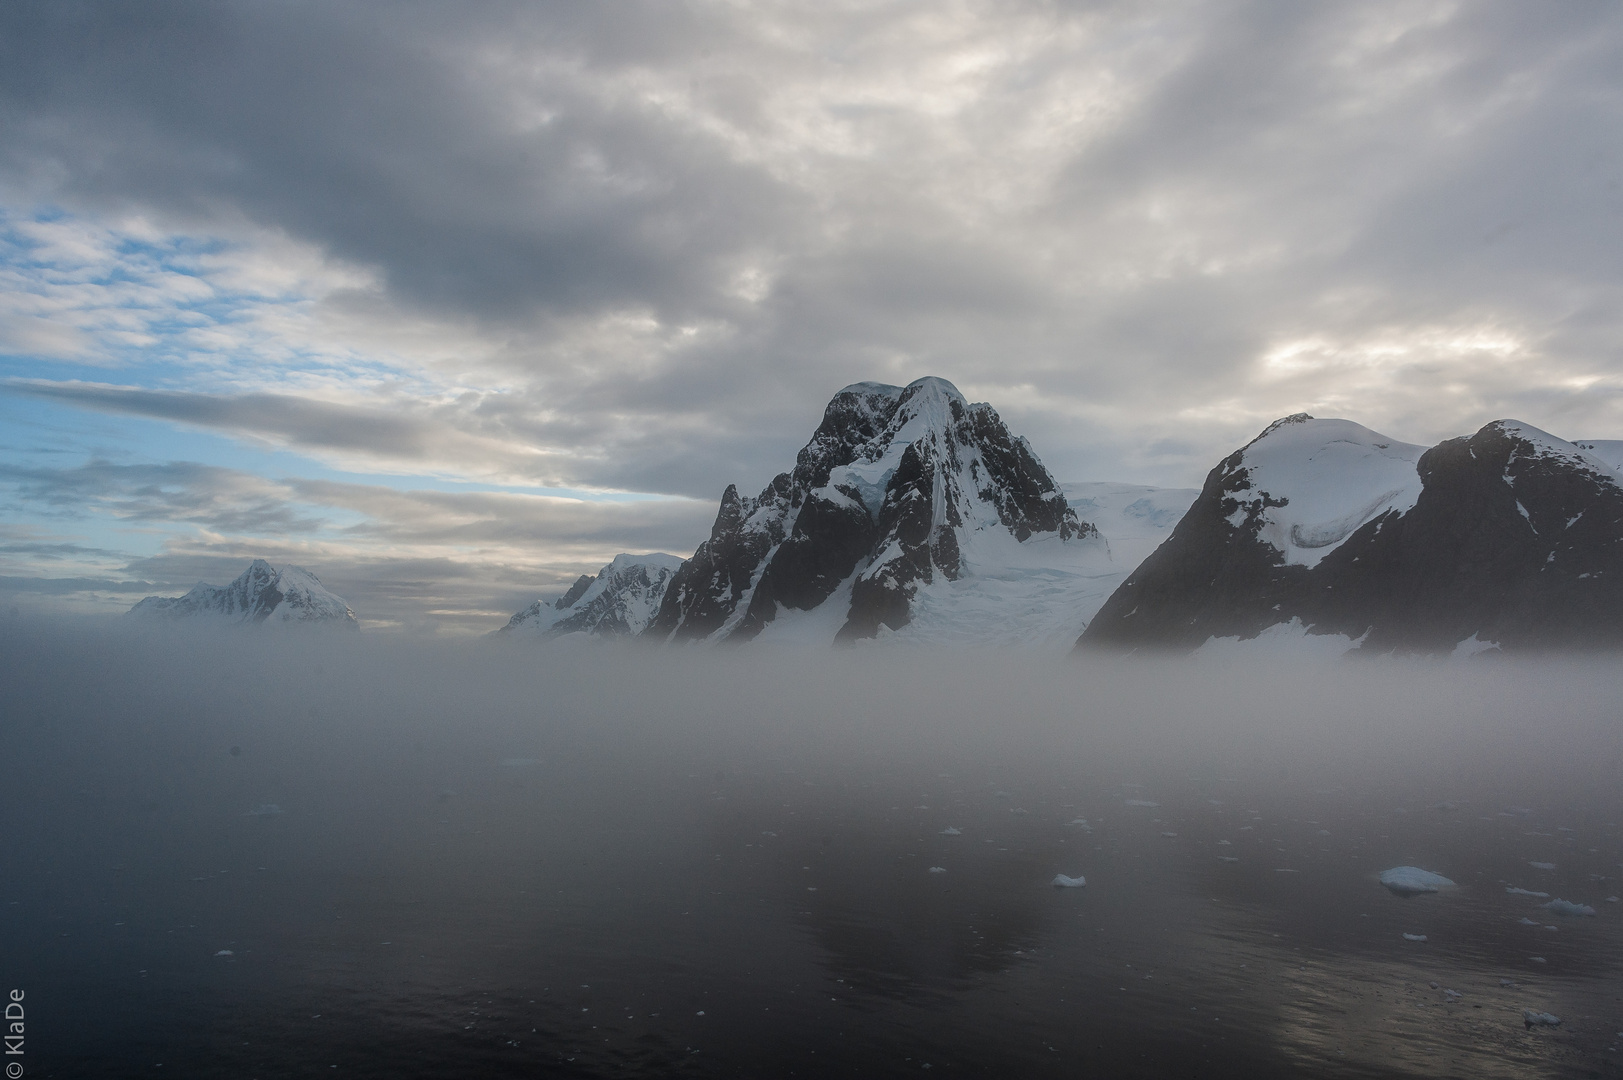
(910, 510)
(1508, 537)
(618, 602)
(261, 594)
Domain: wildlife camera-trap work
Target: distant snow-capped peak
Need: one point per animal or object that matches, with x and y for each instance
(619, 601)
(260, 594)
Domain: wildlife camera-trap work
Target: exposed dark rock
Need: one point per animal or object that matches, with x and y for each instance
(581, 584)
(880, 498)
(1515, 537)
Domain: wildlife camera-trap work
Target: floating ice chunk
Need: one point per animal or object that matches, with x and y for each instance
(1062, 882)
(1142, 802)
(1611, 899)
(1412, 881)
(1228, 858)
(938, 869)
(1539, 1019)
(263, 809)
(1452, 995)
(1542, 865)
(1525, 921)
(1538, 959)
(1169, 834)
(1512, 890)
(1224, 843)
(1414, 937)
(1567, 907)
(225, 952)
(950, 831)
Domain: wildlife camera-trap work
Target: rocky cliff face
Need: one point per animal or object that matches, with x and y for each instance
(261, 594)
(1510, 536)
(896, 489)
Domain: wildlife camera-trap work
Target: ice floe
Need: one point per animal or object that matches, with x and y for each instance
(1533, 1019)
(938, 869)
(1512, 890)
(950, 831)
(1062, 882)
(1412, 881)
(1542, 865)
(1414, 937)
(1567, 907)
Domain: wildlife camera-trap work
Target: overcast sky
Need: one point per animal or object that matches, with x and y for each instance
(450, 303)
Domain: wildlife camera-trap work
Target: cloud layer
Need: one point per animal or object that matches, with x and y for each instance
(635, 247)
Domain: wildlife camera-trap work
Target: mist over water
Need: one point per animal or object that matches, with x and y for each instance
(262, 854)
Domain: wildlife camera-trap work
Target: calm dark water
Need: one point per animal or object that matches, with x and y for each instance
(292, 872)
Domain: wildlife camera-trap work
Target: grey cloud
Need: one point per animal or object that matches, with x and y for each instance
(220, 499)
(1252, 173)
(315, 424)
(398, 135)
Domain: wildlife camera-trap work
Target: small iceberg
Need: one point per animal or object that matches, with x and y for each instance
(1542, 865)
(938, 869)
(1567, 907)
(950, 831)
(225, 952)
(1611, 899)
(1062, 882)
(1526, 892)
(1535, 1019)
(1412, 881)
(1414, 937)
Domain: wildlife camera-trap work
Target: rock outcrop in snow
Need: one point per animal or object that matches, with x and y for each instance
(261, 594)
(1510, 537)
(900, 490)
(618, 602)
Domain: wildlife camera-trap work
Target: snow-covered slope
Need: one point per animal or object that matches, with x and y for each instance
(261, 594)
(909, 508)
(1509, 537)
(1304, 485)
(618, 602)
(1133, 519)
(1608, 450)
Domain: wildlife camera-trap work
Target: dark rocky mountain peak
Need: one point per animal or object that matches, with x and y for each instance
(895, 485)
(1510, 537)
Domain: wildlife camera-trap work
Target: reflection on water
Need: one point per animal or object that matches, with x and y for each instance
(532, 873)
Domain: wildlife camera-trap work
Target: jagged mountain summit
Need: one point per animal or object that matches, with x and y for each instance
(1509, 537)
(261, 594)
(619, 601)
(910, 507)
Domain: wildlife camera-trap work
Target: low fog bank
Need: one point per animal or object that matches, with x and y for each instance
(80, 691)
(266, 852)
